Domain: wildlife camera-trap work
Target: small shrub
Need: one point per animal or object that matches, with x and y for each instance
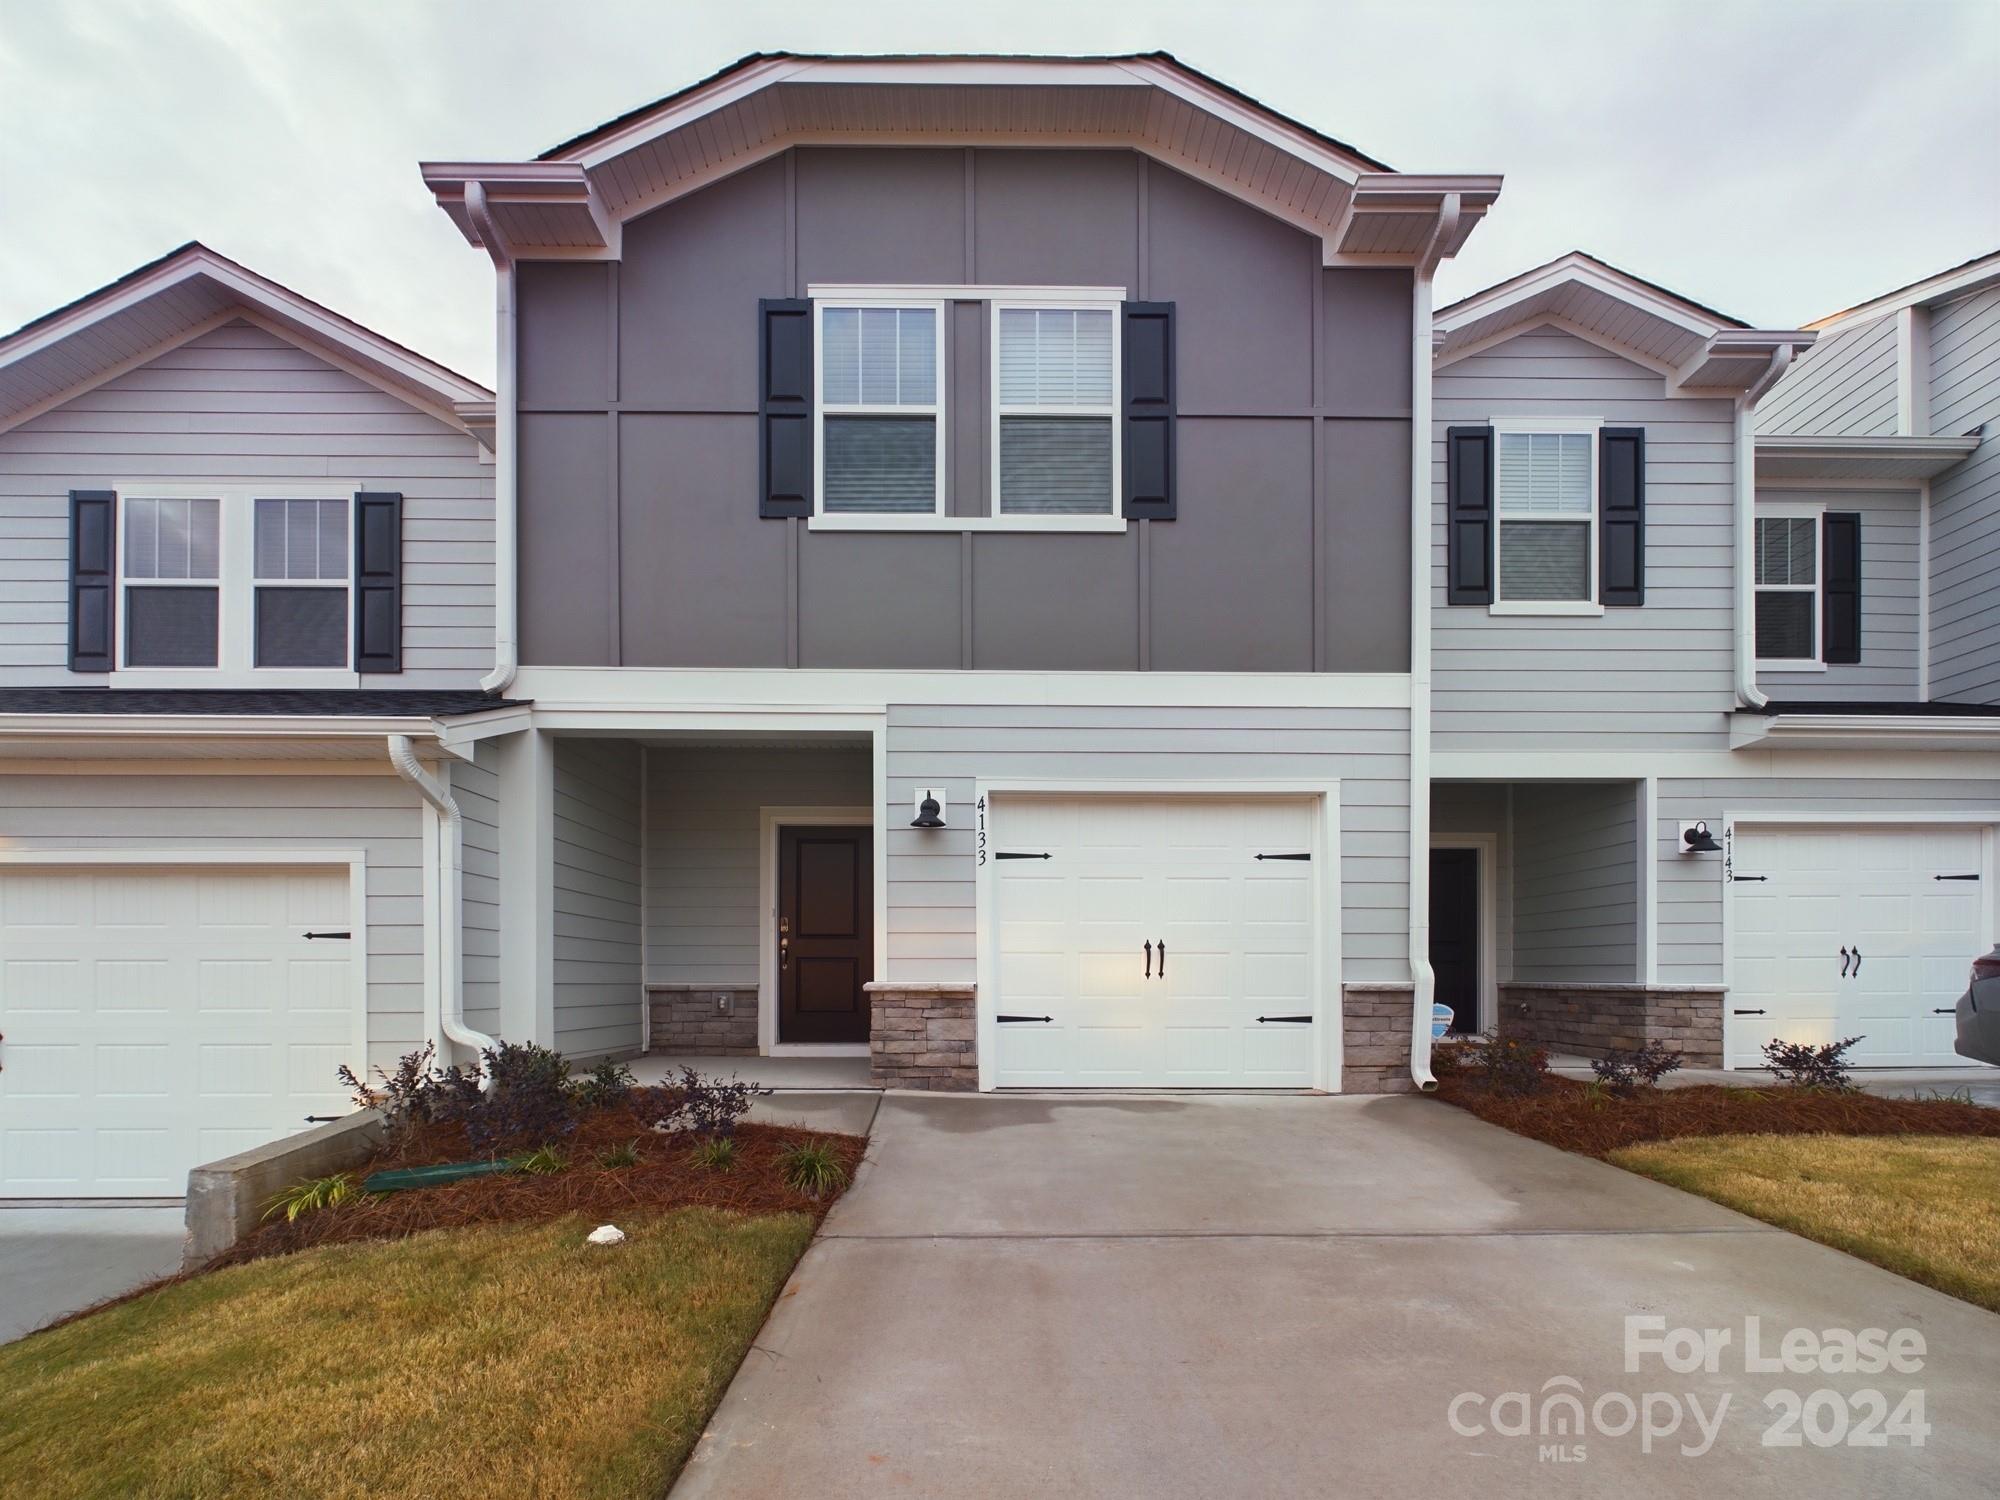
(1597, 1093)
(616, 1157)
(1803, 1067)
(312, 1195)
(541, 1161)
(718, 1153)
(812, 1168)
(706, 1108)
(1624, 1072)
(527, 1100)
(1502, 1066)
(417, 1093)
(603, 1087)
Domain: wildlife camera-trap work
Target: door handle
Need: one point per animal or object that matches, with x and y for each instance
(1857, 961)
(1163, 958)
(1845, 959)
(784, 953)
(1149, 958)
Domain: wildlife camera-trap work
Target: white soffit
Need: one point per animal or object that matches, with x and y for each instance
(570, 202)
(1904, 458)
(184, 294)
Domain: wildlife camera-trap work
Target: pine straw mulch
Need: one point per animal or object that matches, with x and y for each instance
(666, 1177)
(1563, 1114)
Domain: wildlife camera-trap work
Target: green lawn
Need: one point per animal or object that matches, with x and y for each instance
(1925, 1207)
(506, 1360)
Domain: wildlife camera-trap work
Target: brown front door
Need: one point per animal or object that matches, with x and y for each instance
(826, 933)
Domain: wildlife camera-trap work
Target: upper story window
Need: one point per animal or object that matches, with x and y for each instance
(1057, 383)
(230, 581)
(1545, 492)
(1788, 590)
(881, 390)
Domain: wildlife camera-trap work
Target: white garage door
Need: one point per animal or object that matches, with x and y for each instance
(1224, 995)
(1907, 905)
(155, 1019)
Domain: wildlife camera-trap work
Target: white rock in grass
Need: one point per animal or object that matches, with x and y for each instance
(606, 1234)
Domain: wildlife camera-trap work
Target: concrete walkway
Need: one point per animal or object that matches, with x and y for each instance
(56, 1261)
(1204, 1296)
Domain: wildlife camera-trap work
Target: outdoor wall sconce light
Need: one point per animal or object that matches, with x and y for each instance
(1696, 839)
(929, 801)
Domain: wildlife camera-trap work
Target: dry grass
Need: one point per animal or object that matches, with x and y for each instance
(491, 1360)
(1924, 1207)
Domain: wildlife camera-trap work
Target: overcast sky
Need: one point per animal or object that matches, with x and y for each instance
(1777, 159)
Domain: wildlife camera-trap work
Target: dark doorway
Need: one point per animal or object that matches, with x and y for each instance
(1455, 933)
(826, 933)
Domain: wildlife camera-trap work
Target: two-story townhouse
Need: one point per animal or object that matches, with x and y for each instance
(246, 571)
(1691, 778)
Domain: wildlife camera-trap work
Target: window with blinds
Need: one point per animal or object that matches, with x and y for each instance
(1055, 409)
(173, 573)
(881, 390)
(1545, 492)
(303, 545)
(1787, 587)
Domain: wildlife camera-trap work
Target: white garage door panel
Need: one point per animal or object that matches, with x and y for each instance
(158, 1018)
(1071, 930)
(1800, 895)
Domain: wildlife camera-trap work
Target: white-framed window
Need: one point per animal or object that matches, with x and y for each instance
(235, 584)
(1788, 586)
(1545, 512)
(1055, 383)
(878, 438)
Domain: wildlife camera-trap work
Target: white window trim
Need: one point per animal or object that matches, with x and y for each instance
(1521, 426)
(1111, 520)
(236, 623)
(862, 521)
(1794, 511)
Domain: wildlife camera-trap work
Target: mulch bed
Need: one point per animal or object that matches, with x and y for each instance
(1564, 1115)
(666, 1177)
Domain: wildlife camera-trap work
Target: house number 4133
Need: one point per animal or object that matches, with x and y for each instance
(982, 830)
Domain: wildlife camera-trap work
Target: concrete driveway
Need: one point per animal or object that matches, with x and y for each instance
(55, 1261)
(1204, 1296)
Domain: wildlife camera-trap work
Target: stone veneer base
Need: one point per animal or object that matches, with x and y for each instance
(1590, 1019)
(1375, 1038)
(686, 1019)
(923, 1036)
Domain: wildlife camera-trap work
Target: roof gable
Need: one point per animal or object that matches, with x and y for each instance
(180, 296)
(571, 201)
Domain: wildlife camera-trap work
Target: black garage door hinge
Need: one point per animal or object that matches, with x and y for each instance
(1010, 1020)
(1954, 877)
(1749, 877)
(329, 935)
(1284, 856)
(1296, 1020)
(1014, 854)
(1746, 1013)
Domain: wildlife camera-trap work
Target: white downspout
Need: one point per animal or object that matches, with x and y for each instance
(1747, 692)
(1423, 980)
(506, 448)
(450, 857)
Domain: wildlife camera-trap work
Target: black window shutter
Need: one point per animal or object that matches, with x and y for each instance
(93, 580)
(1149, 412)
(1840, 588)
(1621, 521)
(1468, 488)
(378, 582)
(785, 397)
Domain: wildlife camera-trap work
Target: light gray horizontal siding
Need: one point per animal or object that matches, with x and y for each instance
(1890, 602)
(1690, 886)
(239, 403)
(1965, 502)
(377, 814)
(931, 874)
(703, 814)
(1576, 882)
(598, 937)
(475, 788)
(1660, 676)
(1483, 807)
(1844, 386)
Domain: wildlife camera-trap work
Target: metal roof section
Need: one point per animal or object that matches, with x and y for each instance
(1699, 350)
(571, 202)
(183, 294)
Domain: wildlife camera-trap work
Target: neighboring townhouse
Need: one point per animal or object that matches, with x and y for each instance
(245, 545)
(1653, 615)
(991, 567)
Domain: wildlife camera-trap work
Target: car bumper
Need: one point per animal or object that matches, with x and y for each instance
(1979, 1022)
